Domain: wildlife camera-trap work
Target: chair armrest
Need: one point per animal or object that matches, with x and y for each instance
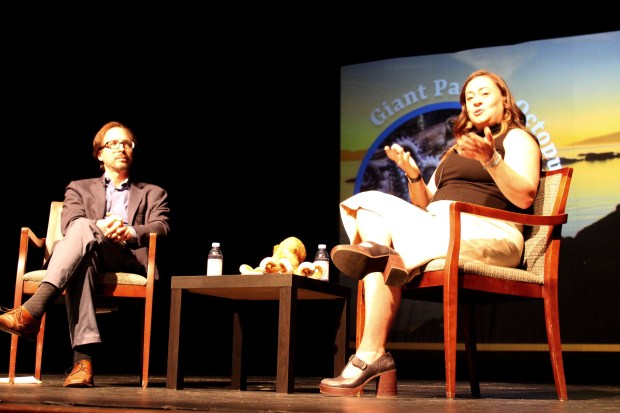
(26, 238)
(150, 268)
(515, 217)
(454, 248)
(28, 235)
(152, 248)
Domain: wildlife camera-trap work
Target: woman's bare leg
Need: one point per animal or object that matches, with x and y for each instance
(382, 302)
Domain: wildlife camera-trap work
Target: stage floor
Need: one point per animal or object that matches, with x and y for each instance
(113, 393)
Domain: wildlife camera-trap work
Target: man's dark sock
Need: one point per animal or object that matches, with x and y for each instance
(38, 303)
(84, 352)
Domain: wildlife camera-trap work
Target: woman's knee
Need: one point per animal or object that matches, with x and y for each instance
(374, 285)
(373, 282)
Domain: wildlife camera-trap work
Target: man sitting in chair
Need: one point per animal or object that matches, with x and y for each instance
(106, 222)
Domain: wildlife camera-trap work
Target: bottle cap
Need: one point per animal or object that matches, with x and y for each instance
(215, 245)
(322, 246)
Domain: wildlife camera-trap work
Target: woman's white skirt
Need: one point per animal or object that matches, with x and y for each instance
(420, 236)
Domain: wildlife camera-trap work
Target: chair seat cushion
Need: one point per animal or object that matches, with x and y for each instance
(105, 278)
(487, 270)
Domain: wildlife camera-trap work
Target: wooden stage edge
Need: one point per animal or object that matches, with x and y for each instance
(525, 347)
(114, 393)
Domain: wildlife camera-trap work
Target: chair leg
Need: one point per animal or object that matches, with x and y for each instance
(13, 358)
(469, 333)
(14, 338)
(552, 322)
(38, 354)
(450, 313)
(39, 351)
(360, 318)
(146, 341)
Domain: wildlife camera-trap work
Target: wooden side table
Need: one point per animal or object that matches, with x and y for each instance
(287, 289)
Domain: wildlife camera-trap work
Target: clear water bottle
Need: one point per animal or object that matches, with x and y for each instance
(321, 259)
(215, 260)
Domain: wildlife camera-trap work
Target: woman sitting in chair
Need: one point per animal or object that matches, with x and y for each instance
(494, 162)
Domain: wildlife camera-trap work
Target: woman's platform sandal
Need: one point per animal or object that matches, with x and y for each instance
(395, 273)
(383, 370)
(357, 261)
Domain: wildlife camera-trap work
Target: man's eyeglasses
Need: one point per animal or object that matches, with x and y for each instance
(117, 144)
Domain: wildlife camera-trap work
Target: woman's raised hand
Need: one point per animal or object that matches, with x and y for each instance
(403, 159)
(472, 146)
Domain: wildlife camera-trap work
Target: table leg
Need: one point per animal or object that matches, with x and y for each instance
(174, 375)
(239, 378)
(340, 355)
(285, 379)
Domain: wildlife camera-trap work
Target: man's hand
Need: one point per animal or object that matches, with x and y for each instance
(114, 228)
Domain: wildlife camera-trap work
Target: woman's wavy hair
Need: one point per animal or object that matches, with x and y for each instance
(513, 115)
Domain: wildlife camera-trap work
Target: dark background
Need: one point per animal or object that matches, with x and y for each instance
(237, 118)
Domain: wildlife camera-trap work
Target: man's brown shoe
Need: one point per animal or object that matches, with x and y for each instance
(81, 375)
(18, 321)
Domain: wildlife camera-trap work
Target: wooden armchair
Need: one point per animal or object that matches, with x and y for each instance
(109, 284)
(467, 283)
